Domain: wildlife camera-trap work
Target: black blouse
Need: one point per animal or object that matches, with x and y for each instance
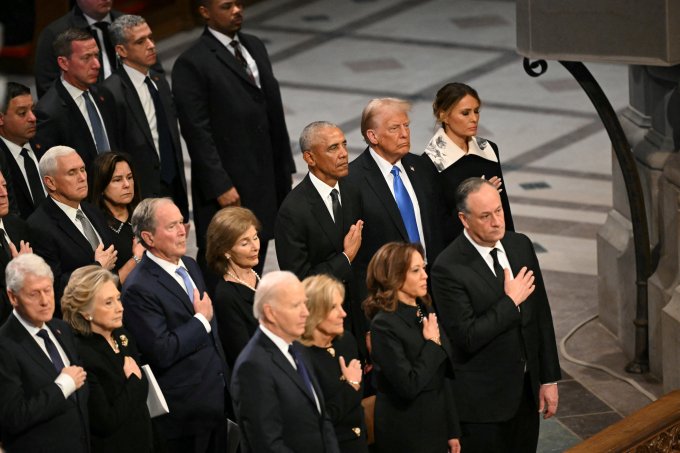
(122, 239)
(233, 305)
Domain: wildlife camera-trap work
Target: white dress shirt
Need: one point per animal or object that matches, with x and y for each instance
(77, 95)
(226, 42)
(71, 214)
(325, 192)
(105, 62)
(137, 79)
(485, 252)
(15, 150)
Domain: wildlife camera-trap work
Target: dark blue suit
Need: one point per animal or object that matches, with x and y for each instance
(187, 361)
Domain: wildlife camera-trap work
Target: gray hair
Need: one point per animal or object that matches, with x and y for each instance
(308, 134)
(267, 290)
(22, 265)
(467, 187)
(375, 107)
(48, 162)
(118, 30)
(144, 217)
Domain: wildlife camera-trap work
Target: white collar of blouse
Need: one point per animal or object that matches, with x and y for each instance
(444, 153)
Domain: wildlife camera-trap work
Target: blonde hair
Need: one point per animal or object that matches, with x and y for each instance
(79, 295)
(320, 291)
(377, 106)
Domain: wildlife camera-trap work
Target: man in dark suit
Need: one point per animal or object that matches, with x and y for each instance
(43, 396)
(318, 228)
(145, 114)
(72, 112)
(493, 306)
(400, 201)
(231, 113)
(277, 399)
(92, 16)
(171, 316)
(67, 231)
(14, 240)
(17, 159)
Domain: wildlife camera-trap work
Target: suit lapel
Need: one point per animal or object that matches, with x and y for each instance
(15, 170)
(135, 105)
(169, 283)
(477, 263)
(421, 196)
(225, 56)
(79, 124)
(321, 214)
(65, 224)
(514, 256)
(28, 344)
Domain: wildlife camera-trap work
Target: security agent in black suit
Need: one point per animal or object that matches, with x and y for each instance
(145, 113)
(84, 15)
(43, 393)
(14, 240)
(416, 215)
(17, 160)
(318, 228)
(493, 305)
(68, 232)
(231, 114)
(277, 398)
(72, 112)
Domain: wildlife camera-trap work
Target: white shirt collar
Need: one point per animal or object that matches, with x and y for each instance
(167, 266)
(444, 152)
(73, 91)
(32, 330)
(68, 210)
(384, 166)
(224, 39)
(14, 148)
(136, 77)
(278, 341)
(91, 21)
(483, 250)
(321, 187)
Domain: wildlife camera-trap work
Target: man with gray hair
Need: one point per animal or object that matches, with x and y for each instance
(65, 230)
(277, 399)
(43, 394)
(171, 316)
(145, 113)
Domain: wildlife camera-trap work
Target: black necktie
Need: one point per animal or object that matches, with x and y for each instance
(166, 151)
(337, 207)
(500, 273)
(241, 59)
(51, 350)
(33, 177)
(108, 45)
(301, 369)
(5, 246)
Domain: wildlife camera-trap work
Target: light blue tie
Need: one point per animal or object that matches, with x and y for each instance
(100, 140)
(408, 214)
(187, 282)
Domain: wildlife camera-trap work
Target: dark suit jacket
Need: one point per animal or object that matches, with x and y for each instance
(187, 361)
(61, 244)
(34, 414)
(17, 230)
(414, 408)
(46, 67)
(235, 132)
(308, 242)
(382, 219)
(21, 201)
(61, 123)
(119, 417)
(135, 133)
(490, 336)
(275, 411)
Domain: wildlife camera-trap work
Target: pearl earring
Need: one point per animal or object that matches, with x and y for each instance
(90, 318)
(228, 257)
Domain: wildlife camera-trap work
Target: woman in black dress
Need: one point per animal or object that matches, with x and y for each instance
(455, 153)
(114, 190)
(414, 409)
(232, 251)
(119, 418)
(334, 356)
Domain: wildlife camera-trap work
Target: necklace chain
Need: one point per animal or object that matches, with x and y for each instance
(235, 277)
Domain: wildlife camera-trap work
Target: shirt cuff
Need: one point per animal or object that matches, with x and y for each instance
(66, 384)
(348, 261)
(550, 383)
(204, 321)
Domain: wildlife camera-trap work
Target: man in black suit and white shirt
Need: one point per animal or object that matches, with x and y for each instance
(493, 306)
(318, 228)
(18, 161)
(67, 231)
(145, 114)
(231, 114)
(43, 395)
(277, 399)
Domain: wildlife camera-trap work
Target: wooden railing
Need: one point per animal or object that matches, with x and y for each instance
(653, 429)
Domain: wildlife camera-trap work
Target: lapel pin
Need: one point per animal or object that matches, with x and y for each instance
(412, 169)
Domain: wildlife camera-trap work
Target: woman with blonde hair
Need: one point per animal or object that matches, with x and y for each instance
(333, 354)
(119, 418)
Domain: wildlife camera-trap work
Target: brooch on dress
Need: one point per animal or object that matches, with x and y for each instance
(123, 340)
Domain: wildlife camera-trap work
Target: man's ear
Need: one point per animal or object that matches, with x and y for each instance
(463, 219)
(147, 237)
(63, 63)
(372, 136)
(308, 157)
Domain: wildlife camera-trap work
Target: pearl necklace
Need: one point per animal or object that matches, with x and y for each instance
(235, 277)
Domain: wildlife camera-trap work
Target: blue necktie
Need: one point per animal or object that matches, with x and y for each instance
(51, 350)
(408, 214)
(100, 140)
(301, 369)
(187, 282)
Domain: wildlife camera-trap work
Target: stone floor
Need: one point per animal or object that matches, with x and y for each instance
(332, 56)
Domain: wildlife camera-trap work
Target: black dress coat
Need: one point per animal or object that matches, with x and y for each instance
(490, 337)
(20, 200)
(414, 408)
(343, 403)
(61, 244)
(233, 305)
(119, 418)
(275, 410)
(136, 139)
(17, 230)
(60, 122)
(309, 242)
(34, 415)
(235, 132)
